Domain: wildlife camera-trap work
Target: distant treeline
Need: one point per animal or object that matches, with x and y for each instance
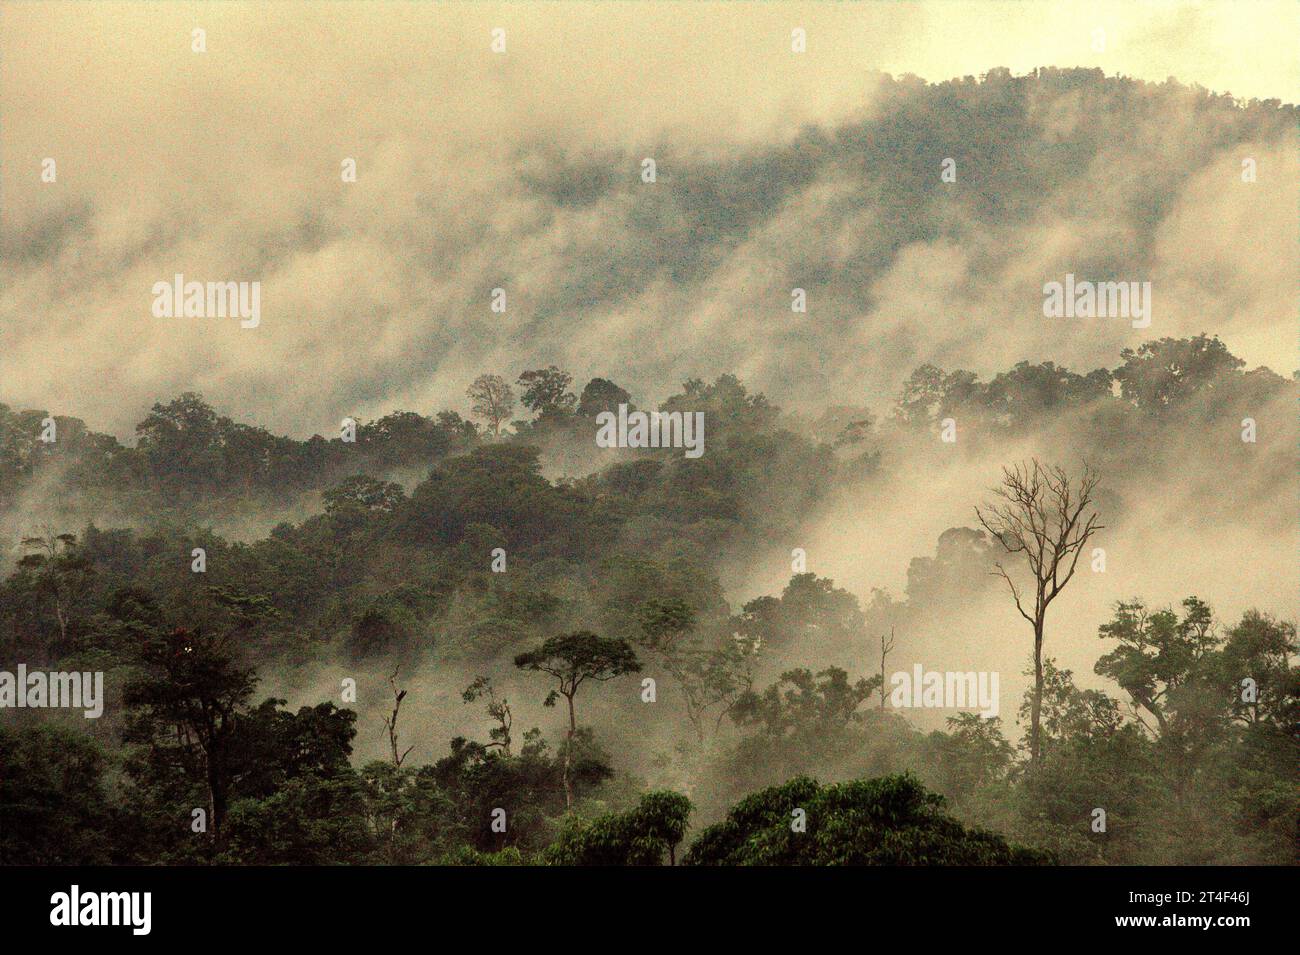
(185, 450)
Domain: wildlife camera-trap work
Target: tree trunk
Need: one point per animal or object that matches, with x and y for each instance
(882, 680)
(1037, 707)
(216, 793)
(568, 755)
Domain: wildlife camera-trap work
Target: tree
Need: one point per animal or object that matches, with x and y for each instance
(498, 485)
(892, 820)
(886, 648)
(362, 493)
(812, 614)
(390, 722)
(191, 694)
(180, 442)
(930, 393)
(803, 705)
(641, 836)
(1163, 373)
(54, 807)
(493, 400)
(188, 700)
(708, 676)
(1070, 714)
(410, 816)
(601, 394)
(1260, 649)
(1158, 660)
(307, 821)
(922, 397)
(972, 754)
(404, 438)
(573, 659)
(456, 427)
(1027, 392)
(477, 780)
(1039, 513)
(499, 710)
(294, 797)
(546, 392)
(385, 627)
(963, 558)
(726, 403)
(1090, 757)
(60, 575)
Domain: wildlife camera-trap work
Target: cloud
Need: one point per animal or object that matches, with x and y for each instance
(521, 171)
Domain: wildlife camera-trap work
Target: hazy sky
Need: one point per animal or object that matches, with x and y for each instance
(479, 170)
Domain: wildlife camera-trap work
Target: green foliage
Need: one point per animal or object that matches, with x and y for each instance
(811, 612)
(712, 674)
(468, 855)
(600, 395)
(1162, 374)
(529, 786)
(498, 486)
(1200, 771)
(1163, 663)
(306, 821)
(546, 392)
(800, 703)
(363, 493)
(575, 658)
(888, 821)
(54, 807)
(386, 628)
(646, 835)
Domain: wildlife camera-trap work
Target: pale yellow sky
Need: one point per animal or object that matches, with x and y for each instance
(623, 65)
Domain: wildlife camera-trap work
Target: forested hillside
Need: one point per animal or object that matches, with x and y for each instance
(485, 640)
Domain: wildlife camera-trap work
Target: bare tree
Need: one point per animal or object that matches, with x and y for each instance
(886, 648)
(1038, 511)
(493, 400)
(391, 721)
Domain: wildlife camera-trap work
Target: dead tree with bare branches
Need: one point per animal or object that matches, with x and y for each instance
(390, 722)
(1038, 511)
(886, 648)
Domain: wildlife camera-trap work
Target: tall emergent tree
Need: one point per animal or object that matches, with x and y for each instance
(1039, 512)
(188, 702)
(191, 693)
(493, 400)
(573, 659)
